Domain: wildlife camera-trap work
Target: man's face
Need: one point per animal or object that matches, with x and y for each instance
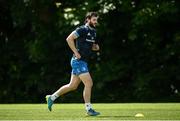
(93, 21)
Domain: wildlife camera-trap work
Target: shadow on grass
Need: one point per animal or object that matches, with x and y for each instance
(111, 117)
(114, 116)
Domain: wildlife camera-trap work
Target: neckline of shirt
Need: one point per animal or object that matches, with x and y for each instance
(89, 26)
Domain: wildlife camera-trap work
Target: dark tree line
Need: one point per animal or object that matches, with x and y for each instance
(139, 40)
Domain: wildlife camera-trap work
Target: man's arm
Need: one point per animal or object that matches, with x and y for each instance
(70, 40)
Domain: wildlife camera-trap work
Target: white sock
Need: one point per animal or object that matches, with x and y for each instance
(88, 106)
(54, 96)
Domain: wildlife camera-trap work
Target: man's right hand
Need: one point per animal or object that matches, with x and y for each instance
(77, 55)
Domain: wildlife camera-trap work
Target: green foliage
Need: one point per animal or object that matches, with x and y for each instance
(139, 43)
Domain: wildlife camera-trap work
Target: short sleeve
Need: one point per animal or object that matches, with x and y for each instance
(80, 31)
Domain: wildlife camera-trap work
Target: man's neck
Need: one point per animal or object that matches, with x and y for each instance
(87, 24)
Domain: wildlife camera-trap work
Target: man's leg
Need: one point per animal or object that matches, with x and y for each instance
(74, 82)
(88, 83)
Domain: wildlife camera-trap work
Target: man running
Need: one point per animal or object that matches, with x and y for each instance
(82, 42)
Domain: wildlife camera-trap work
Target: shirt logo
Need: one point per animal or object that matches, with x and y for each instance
(89, 34)
(90, 40)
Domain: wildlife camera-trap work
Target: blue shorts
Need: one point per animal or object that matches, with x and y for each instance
(78, 66)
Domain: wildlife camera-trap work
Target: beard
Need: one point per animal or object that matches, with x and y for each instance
(92, 25)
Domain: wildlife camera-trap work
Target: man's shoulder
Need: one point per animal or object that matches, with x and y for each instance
(83, 27)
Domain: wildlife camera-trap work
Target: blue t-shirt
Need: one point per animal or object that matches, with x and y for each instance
(86, 37)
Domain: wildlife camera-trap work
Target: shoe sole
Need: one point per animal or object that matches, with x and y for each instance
(47, 102)
(93, 115)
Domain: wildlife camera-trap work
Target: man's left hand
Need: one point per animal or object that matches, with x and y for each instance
(95, 47)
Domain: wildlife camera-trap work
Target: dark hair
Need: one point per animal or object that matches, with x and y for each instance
(89, 15)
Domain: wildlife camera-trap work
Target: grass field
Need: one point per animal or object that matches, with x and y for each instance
(76, 112)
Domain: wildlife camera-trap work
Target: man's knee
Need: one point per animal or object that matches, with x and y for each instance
(89, 83)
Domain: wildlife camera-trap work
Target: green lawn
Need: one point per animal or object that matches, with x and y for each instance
(125, 111)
